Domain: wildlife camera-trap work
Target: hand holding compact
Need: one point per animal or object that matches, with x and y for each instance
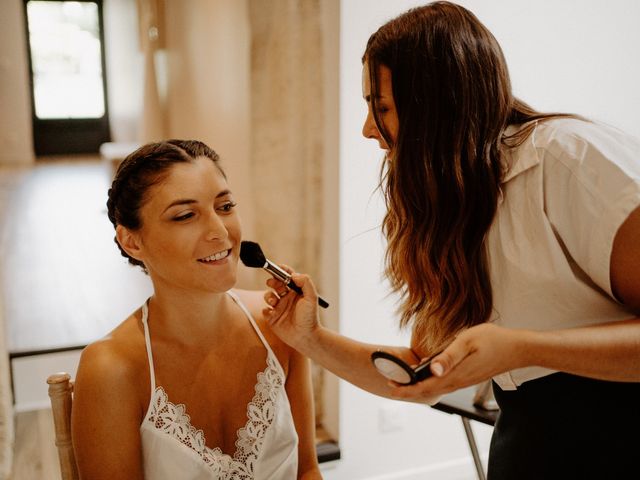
(398, 370)
(475, 355)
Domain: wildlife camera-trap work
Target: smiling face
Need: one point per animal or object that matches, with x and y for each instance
(385, 104)
(190, 234)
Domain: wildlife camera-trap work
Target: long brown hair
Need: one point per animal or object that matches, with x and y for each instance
(441, 180)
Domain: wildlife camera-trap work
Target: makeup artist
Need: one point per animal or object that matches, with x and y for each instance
(513, 241)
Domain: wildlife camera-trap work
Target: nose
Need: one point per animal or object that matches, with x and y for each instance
(216, 229)
(369, 129)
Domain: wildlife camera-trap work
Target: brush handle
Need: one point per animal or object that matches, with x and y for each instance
(285, 278)
(289, 283)
(322, 302)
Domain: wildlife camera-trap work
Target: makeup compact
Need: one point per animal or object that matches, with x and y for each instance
(396, 369)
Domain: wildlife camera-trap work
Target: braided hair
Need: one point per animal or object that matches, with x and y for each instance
(140, 170)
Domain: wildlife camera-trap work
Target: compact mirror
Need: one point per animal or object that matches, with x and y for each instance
(396, 369)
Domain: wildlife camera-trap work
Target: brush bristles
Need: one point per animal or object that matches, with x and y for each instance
(251, 254)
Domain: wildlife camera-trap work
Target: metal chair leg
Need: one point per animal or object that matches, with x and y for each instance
(474, 448)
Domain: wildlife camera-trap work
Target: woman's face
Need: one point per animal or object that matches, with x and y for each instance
(190, 234)
(386, 106)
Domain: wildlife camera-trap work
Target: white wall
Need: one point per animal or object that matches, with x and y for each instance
(574, 55)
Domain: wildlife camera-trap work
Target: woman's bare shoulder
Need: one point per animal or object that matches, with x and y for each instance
(118, 357)
(110, 399)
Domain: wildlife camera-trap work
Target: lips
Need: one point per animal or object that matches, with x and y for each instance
(216, 256)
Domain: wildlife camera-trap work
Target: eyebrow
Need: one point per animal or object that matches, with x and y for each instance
(189, 201)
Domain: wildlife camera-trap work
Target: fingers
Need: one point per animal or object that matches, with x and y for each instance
(301, 280)
(308, 288)
(430, 390)
(278, 287)
(275, 283)
(273, 299)
(279, 303)
(417, 393)
(451, 356)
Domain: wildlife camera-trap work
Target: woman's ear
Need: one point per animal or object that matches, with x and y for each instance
(129, 241)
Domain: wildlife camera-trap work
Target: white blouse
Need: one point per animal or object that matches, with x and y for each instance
(568, 189)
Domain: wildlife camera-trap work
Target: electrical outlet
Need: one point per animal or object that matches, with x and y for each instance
(390, 419)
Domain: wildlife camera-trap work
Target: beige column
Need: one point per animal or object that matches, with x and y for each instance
(16, 136)
(294, 150)
(151, 23)
(207, 46)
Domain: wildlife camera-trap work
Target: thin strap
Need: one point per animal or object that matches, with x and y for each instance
(147, 341)
(255, 327)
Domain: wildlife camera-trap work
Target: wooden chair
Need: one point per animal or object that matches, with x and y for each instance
(61, 395)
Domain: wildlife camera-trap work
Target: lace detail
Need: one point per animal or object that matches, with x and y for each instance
(173, 420)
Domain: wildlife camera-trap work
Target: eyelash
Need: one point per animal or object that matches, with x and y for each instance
(184, 217)
(224, 208)
(227, 207)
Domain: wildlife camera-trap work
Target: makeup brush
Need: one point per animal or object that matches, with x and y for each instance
(252, 256)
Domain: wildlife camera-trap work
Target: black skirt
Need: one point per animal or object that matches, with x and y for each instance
(567, 427)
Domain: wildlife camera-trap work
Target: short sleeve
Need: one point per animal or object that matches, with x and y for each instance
(591, 185)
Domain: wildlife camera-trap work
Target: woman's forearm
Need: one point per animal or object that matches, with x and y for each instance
(350, 359)
(608, 351)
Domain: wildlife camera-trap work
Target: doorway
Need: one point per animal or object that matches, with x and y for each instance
(68, 77)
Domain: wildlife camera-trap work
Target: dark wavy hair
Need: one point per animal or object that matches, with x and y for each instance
(142, 169)
(441, 180)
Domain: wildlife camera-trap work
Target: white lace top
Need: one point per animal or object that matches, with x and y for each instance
(266, 447)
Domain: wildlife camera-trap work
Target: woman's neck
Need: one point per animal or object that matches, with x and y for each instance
(189, 317)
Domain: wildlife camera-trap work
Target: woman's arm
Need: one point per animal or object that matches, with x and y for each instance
(625, 262)
(608, 351)
(106, 416)
(300, 393)
(294, 319)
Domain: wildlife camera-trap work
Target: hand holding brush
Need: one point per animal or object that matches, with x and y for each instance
(252, 256)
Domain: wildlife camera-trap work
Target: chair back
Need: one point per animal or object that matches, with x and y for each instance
(61, 395)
